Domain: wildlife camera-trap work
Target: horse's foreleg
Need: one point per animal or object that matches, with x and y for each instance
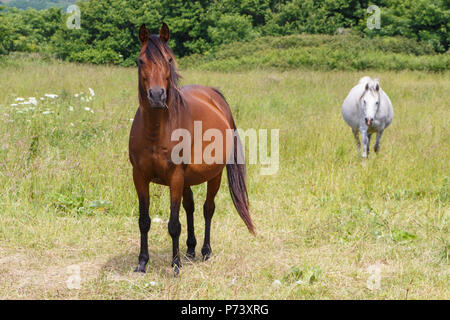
(377, 143)
(176, 192)
(188, 204)
(365, 142)
(141, 186)
(208, 212)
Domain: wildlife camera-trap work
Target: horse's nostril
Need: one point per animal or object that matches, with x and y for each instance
(157, 93)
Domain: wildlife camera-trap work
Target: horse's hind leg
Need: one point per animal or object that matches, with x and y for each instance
(358, 143)
(188, 205)
(208, 212)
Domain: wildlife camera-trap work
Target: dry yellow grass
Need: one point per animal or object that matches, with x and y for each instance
(325, 218)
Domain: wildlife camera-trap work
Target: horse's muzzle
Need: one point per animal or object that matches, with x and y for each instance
(369, 121)
(157, 98)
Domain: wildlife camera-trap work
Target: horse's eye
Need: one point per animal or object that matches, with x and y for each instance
(170, 60)
(140, 61)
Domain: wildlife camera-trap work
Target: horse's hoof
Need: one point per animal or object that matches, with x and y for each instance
(139, 269)
(176, 271)
(190, 255)
(206, 253)
(206, 256)
(176, 266)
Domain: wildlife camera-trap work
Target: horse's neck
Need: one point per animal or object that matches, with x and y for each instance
(156, 124)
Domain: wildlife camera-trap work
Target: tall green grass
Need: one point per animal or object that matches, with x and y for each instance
(324, 220)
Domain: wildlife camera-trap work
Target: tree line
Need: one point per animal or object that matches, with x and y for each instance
(108, 28)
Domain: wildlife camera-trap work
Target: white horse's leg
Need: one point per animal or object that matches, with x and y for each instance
(365, 142)
(358, 143)
(377, 143)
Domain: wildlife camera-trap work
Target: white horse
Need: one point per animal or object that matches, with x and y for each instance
(368, 109)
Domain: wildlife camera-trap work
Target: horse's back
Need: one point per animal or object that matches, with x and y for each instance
(208, 105)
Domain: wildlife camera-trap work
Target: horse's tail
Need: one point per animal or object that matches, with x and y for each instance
(236, 181)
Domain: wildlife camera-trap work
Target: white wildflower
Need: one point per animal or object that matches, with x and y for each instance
(276, 283)
(157, 220)
(70, 108)
(32, 100)
(51, 95)
(20, 99)
(91, 91)
(47, 112)
(14, 105)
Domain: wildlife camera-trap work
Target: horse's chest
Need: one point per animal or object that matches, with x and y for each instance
(156, 163)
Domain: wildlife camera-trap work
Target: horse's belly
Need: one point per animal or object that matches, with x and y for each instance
(199, 173)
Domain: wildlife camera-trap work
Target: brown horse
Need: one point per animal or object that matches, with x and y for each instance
(163, 108)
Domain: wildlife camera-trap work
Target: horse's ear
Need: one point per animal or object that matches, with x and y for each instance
(164, 33)
(367, 86)
(143, 34)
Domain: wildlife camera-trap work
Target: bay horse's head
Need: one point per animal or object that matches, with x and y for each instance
(156, 67)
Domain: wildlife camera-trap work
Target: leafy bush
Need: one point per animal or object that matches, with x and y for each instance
(27, 31)
(108, 31)
(94, 56)
(424, 20)
(321, 52)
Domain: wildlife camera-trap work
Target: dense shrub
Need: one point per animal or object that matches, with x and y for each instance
(321, 52)
(108, 31)
(27, 31)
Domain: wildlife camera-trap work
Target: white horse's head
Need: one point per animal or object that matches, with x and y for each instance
(370, 101)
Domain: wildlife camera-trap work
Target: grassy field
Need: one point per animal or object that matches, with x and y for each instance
(327, 220)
